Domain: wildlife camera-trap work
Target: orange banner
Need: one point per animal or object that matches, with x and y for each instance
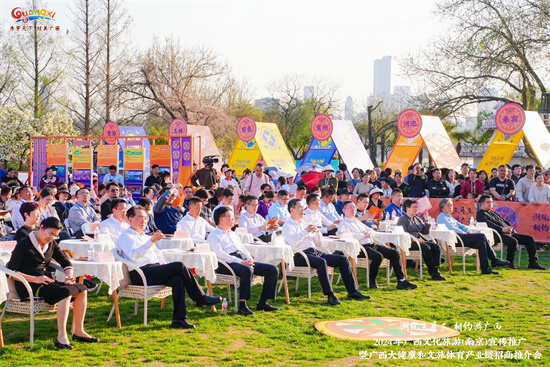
(107, 155)
(160, 154)
(57, 155)
(82, 158)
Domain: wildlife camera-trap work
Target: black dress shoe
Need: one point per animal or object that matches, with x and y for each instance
(358, 295)
(406, 285)
(333, 300)
(207, 300)
(499, 262)
(266, 307)
(537, 266)
(60, 345)
(511, 265)
(182, 324)
(85, 339)
(244, 310)
(373, 284)
(436, 275)
(488, 271)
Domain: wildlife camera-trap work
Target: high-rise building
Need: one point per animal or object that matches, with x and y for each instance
(382, 76)
(349, 111)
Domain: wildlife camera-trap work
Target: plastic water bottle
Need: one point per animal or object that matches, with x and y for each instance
(472, 222)
(91, 252)
(96, 234)
(224, 306)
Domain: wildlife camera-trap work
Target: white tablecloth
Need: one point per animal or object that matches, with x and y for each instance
(172, 243)
(445, 236)
(3, 287)
(488, 232)
(349, 246)
(272, 254)
(204, 263)
(109, 272)
(401, 240)
(79, 248)
(245, 238)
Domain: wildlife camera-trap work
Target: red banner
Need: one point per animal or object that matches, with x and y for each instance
(530, 219)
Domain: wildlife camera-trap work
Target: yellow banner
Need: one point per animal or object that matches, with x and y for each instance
(404, 153)
(57, 155)
(242, 159)
(82, 158)
(134, 159)
(273, 148)
(500, 150)
(107, 155)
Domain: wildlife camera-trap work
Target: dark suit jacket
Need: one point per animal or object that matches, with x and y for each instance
(493, 220)
(414, 226)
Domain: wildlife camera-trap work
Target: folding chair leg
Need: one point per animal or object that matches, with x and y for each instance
(297, 283)
(229, 293)
(111, 313)
(338, 280)
(136, 308)
(421, 266)
(236, 299)
(163, 303)
(144, 311)
(99, 287)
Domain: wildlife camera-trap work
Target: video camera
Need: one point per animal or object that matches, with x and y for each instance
(210, 160)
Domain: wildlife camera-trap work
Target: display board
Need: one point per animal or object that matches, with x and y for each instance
(57, 155)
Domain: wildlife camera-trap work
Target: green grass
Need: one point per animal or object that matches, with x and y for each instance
(518, 300)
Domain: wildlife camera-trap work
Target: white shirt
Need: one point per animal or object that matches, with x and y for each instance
(197, 228)
(291, 189)
(139, 249)
(117, 178)
(114, 227)
(220, 204)
(223, 243)
(297, 236)
(16, 218)
(278, 210)
(318, 219)
(225, 183)
(357, 229)
(252, 223)
(329, 211)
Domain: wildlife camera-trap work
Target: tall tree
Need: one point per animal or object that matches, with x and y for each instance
(489, 43)
(9, 72)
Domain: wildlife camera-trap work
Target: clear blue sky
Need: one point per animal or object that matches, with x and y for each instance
(264, 40)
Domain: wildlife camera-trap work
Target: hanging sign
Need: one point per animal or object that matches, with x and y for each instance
(246, 129)
(409, 123)
(321, 127)
(510, 119)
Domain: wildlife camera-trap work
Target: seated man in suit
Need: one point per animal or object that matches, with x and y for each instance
(82, 212)
(376, 253)
(117, 222)
(431, 253)
(140, 249)
(228, 247)
(509, 236)
(193, 223)
(254, 223)
(303, 236)
(473, 240)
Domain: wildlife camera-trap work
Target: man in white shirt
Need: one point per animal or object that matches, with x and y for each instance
(255, 181)
(117, 222)
(113, 176)
(228, 247)
(525, 183)
(279, 209)
(140, 249)
(301, 193)
(81, 212)
(376, 253)
(226, 201)
(17, 220)
(229, 182)
(193, 223)
(254, 223)
(327, 207)
(314, 216)
(305, 237)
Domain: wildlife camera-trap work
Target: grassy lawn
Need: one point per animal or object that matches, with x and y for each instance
(518, 300)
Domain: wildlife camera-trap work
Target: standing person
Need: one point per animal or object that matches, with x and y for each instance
(290, 186)
(502, 188)
(140, 249)
(482, 175)
(154, 177)
(31, 258)
(329, 181)
(49, 178)
(113, 175)
(242, 182)
(451, 182)
(401, 185)
(207, 176)
(517, 173)
(418, 182)
(113, 191)
(473, 240)
(525, 183)
(509, 236)
(437, 187)
(306, 237)
(363, 187)
(255, 181)
(494, 173)
(431, 253)
(11, 178)
(373, 179)
(228, 247)
(465, 169)
(228, 182)
(473, 188)
(342, 183)
(386, 188)
(540, 192)
(356, 174)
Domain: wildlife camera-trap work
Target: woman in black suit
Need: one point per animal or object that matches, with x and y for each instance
(31, 258)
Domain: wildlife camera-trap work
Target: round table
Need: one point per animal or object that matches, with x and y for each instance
(401, 240)
(349, 246)
(245, 237)
(175, 243)
(274, 254)
(109, 272)
(204, 263)
(488, 232)
(445, 236)
(79, 248)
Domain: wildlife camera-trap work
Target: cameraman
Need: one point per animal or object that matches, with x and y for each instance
(207, 176)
